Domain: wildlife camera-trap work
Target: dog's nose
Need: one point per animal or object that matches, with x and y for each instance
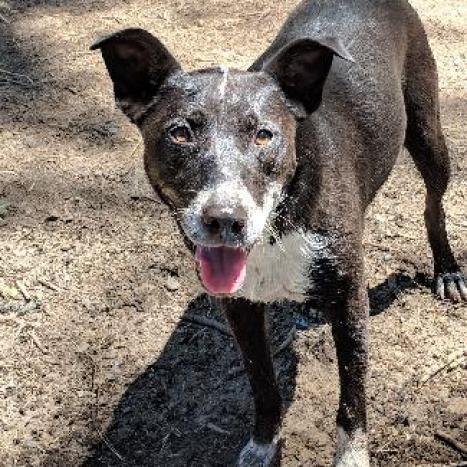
(224, 224)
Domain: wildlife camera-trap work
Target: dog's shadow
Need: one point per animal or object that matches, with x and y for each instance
(193, 405)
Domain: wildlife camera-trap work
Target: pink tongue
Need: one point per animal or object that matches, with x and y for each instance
(222, 268)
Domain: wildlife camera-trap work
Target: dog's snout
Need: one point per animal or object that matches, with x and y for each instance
(224, 225)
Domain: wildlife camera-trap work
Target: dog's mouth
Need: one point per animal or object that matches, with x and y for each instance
(222, 269)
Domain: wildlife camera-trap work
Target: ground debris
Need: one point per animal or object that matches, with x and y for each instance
(452, 361)
(4, 206)
(19, 308)
(49, 285)
(212, 323)
(21, 287)
(172, 283)
(457, 445)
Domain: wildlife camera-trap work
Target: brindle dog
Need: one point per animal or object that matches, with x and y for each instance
(269, 173)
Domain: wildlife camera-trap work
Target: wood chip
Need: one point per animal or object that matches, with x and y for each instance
(49, 285)
(20, 286)
(217, 429)
(38, 343)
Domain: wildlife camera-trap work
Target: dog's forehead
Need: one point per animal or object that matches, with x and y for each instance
(213, 86)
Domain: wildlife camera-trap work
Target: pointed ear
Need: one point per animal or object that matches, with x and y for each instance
(301, 68)
(138, 64)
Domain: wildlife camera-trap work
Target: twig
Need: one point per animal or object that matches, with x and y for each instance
(455, 363)
(110, 446)
(212, 323)
(19, 308)
(95, 412)
(461, 224)
(48, 285)
(20, 286)
(457, 445)
(29, 306)
(37, 343)
(217, 429)
(379, 246)
(135, 149)
(2, 18)
(17, 75)
(14, 81)
(433, 371)
(287, 341)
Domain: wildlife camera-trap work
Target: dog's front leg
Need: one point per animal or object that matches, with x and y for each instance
(247, 321)
(350, 331)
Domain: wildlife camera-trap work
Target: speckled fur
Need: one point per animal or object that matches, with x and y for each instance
(338, 127)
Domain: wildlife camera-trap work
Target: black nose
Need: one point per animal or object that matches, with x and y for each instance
(223, 224)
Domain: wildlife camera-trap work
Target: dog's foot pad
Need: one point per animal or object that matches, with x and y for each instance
(451, 286)
(258, 455)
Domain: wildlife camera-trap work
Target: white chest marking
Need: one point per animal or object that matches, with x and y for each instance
(282, 271)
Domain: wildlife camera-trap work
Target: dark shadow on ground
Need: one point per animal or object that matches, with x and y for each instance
(37, 92)
(384, 294)
(192, 407)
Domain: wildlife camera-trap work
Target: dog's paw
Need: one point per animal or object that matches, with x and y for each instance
(352, 449)
(451, 286)
(258, 455)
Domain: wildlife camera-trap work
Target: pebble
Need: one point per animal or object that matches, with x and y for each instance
(172, 284)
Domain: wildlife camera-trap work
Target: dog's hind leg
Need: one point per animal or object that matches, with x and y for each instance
(425, 142)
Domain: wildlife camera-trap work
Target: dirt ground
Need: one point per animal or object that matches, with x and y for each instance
(106, 370)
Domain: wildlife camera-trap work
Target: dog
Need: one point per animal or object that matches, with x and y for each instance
(269, 172)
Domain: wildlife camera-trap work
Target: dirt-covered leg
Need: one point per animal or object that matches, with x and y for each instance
(247, 321)
(349, 326)
(449, 281)
(426, 144)
(433, 163)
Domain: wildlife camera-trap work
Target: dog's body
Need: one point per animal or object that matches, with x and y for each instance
(270, 172)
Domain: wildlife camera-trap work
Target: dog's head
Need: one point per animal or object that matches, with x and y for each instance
(219, 143)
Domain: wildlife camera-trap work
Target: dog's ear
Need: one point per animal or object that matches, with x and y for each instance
(138, 64)
(301, 68)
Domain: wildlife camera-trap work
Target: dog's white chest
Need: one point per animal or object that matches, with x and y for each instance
(282, 271)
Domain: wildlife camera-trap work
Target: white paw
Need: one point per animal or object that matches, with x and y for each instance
(352, 449)
(258, 455)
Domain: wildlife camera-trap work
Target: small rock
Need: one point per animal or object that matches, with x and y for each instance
(380, 219)
(172, 284)
(9, 292)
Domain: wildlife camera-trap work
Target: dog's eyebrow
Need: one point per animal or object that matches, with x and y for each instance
(188, 89)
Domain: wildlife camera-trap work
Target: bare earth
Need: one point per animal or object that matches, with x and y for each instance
(105, 372)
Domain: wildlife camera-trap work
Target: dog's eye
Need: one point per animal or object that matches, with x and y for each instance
(263, 137)
(180, 134)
